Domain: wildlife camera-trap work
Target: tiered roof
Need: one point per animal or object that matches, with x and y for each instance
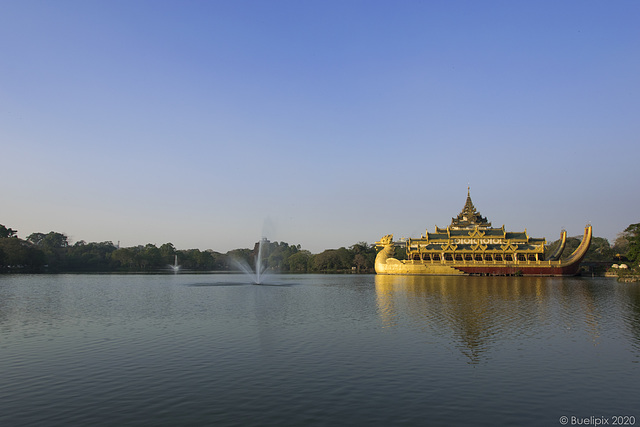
(469, 218)
(470, 229)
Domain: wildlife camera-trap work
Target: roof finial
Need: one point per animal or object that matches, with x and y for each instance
(469, 216)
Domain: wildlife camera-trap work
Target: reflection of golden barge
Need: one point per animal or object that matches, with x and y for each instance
(471, 246)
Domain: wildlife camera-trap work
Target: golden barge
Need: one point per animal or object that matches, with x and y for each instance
(470, 246)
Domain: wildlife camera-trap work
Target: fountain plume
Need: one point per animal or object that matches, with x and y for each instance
(175, 267)
(257, 275)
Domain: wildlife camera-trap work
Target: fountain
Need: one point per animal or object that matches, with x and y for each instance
(257, 276)
(175, 267)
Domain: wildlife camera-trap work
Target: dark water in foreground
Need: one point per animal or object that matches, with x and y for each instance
(316, 350)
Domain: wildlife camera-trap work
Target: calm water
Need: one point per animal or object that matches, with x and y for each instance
(316, 350)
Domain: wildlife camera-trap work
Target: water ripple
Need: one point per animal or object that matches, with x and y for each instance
(314, 350)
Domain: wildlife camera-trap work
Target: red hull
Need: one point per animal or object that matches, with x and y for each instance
(570, 267)
(570, 270)
(567, 267)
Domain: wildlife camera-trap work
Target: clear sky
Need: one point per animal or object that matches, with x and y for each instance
(322, 123)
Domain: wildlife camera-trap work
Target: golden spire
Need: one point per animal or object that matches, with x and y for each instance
(469, 217)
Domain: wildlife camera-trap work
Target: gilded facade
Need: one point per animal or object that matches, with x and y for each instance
(470, 245)
(470, 237)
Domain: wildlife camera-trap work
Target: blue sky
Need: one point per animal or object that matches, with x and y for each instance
(322, 123)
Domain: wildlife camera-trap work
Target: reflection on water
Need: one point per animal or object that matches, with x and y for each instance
(481, 311)
(319, 350)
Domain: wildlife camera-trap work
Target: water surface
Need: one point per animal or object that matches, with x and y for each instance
(316, 350)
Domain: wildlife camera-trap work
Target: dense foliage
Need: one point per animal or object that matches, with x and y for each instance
(6, 232)
(20, 255)
(52, 252)
(631, 236)
(599, 251)
(600, 256)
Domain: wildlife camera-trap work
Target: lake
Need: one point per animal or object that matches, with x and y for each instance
(317, 350)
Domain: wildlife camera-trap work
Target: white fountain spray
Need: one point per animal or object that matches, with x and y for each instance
(259, 262)
(256, 276)
(175, 267)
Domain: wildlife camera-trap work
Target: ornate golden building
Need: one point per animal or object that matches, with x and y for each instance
(470, 237)
(470, 245)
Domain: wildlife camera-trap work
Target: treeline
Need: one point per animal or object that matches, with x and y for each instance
(601, 253)
(52, 252)
(600, 249)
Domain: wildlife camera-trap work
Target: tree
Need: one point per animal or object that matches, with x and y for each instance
(51, 240)
(570, 246)
(333, 260)
(54, 246)
(149, 257)
(632, 233)
(84, 256)
(621, 246)
(124, 258)
(361, 262)
(599, 250)
(364, 256)
(299, 261)
(36, 238)
(168, 251)
(240, 255)
(7, 232)
(17, 254)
